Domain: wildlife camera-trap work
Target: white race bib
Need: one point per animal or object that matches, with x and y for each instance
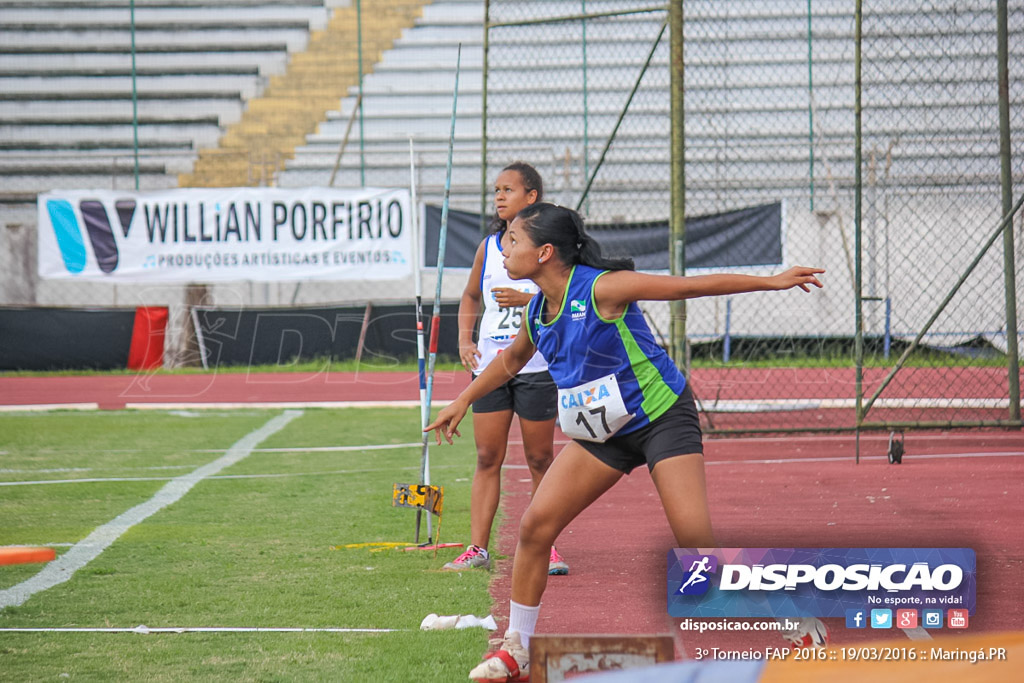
(592, 411)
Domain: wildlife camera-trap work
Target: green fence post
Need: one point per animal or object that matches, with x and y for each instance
(677, 213)
(1006, 177)
(586, 111)
(810, 102)
(483, 121)
(857, 162)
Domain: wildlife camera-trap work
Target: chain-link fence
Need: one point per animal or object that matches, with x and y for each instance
(770, 94)
(933, 198)
(158, 94)
(584, 100)
(582, 89)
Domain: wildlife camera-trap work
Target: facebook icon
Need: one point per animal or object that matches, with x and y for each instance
(856, 618)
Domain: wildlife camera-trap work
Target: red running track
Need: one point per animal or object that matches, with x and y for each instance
(953, 489)
(721, 384)
(116, 391)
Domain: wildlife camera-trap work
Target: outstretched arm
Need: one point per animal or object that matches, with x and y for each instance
(613, 291)
(504, 367)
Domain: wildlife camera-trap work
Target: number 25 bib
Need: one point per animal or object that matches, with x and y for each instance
(592, 411)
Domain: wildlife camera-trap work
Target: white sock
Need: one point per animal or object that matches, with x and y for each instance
(483, 551)
(523, 619)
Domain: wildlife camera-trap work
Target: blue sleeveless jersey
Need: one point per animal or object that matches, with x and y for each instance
(580, 346)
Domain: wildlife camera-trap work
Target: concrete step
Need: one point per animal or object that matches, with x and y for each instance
(281, 118)
(196, 133)
(266, 62)
(150, 87)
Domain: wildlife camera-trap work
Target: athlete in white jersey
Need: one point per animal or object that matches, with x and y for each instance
(499, 325)
(530, 394)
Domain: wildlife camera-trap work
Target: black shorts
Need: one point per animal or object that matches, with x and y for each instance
(532, 396)
(675, 432)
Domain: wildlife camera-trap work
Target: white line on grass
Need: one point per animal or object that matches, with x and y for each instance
(331, 449)
(88, 549)
(146, 630)
(275, 405)
(272, 475)
(47, 407)
(290, 449)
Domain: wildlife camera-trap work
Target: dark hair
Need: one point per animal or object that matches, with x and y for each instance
(531, 181)
(563, 229)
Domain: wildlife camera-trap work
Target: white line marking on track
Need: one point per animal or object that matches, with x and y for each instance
(277, 405)
(88, 549)
(48, 406)
(47, 470)
(727, 406)
(254, 405)
(846, 438)
(848, 458)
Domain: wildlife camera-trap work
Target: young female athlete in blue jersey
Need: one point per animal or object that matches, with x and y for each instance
(620, 397)
(530, 394)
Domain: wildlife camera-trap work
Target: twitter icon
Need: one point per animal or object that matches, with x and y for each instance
(881, 618)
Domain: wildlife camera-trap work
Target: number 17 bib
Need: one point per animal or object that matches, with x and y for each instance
(592, 411)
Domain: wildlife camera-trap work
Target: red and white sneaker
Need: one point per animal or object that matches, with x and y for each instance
(557, 565)
(809, 632)
(511, 662)
(473, 558)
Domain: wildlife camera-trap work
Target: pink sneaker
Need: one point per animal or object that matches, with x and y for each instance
(473, 558)
(556, 565)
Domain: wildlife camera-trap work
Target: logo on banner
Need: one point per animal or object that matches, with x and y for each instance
(873, 587)
(578, 308)
(906, 618)
(957, 618)
(881, 618)
(224, 234)
(697, 581)
(97, 227)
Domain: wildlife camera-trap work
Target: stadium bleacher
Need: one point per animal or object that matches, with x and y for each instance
(66, 95)
(268, 102)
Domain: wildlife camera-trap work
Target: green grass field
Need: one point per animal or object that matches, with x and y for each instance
(248, 547)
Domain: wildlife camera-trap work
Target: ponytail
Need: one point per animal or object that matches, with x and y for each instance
(563, 229)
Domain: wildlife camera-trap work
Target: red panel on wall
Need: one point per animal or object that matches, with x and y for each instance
(147, 349)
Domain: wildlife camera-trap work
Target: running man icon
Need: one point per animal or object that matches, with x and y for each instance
(697, 570)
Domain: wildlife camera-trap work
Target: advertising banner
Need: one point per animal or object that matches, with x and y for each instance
(825, 582)
(225, 234)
